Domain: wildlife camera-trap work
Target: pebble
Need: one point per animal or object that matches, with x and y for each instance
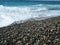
(32, 33)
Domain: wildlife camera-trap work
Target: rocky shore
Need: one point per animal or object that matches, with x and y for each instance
(44, 32)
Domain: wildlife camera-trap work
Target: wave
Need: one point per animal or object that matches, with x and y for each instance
(11, 14)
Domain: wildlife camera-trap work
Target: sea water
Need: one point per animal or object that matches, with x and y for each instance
(11, 12)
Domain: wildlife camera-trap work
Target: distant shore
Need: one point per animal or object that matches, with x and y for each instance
(43, 32)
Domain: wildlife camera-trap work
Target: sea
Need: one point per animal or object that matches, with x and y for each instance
(11, 12)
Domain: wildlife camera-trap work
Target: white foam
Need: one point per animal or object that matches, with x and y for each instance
(5, 20)
(9, 15)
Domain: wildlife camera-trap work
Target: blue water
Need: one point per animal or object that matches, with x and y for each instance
(19, 12)
(28, 3)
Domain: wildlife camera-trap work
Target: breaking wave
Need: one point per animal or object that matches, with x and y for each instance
(11, 14)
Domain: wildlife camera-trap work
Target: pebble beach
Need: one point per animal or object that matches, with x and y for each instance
(36, 32)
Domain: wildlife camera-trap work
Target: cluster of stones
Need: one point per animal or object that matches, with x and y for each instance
(44, 32)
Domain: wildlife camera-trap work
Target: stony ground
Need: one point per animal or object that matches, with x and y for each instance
(44, 32)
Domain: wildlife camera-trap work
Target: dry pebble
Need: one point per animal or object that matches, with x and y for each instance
(43, 32)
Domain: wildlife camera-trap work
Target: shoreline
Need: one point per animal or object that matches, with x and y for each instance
(30, 20)
(43, 32)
